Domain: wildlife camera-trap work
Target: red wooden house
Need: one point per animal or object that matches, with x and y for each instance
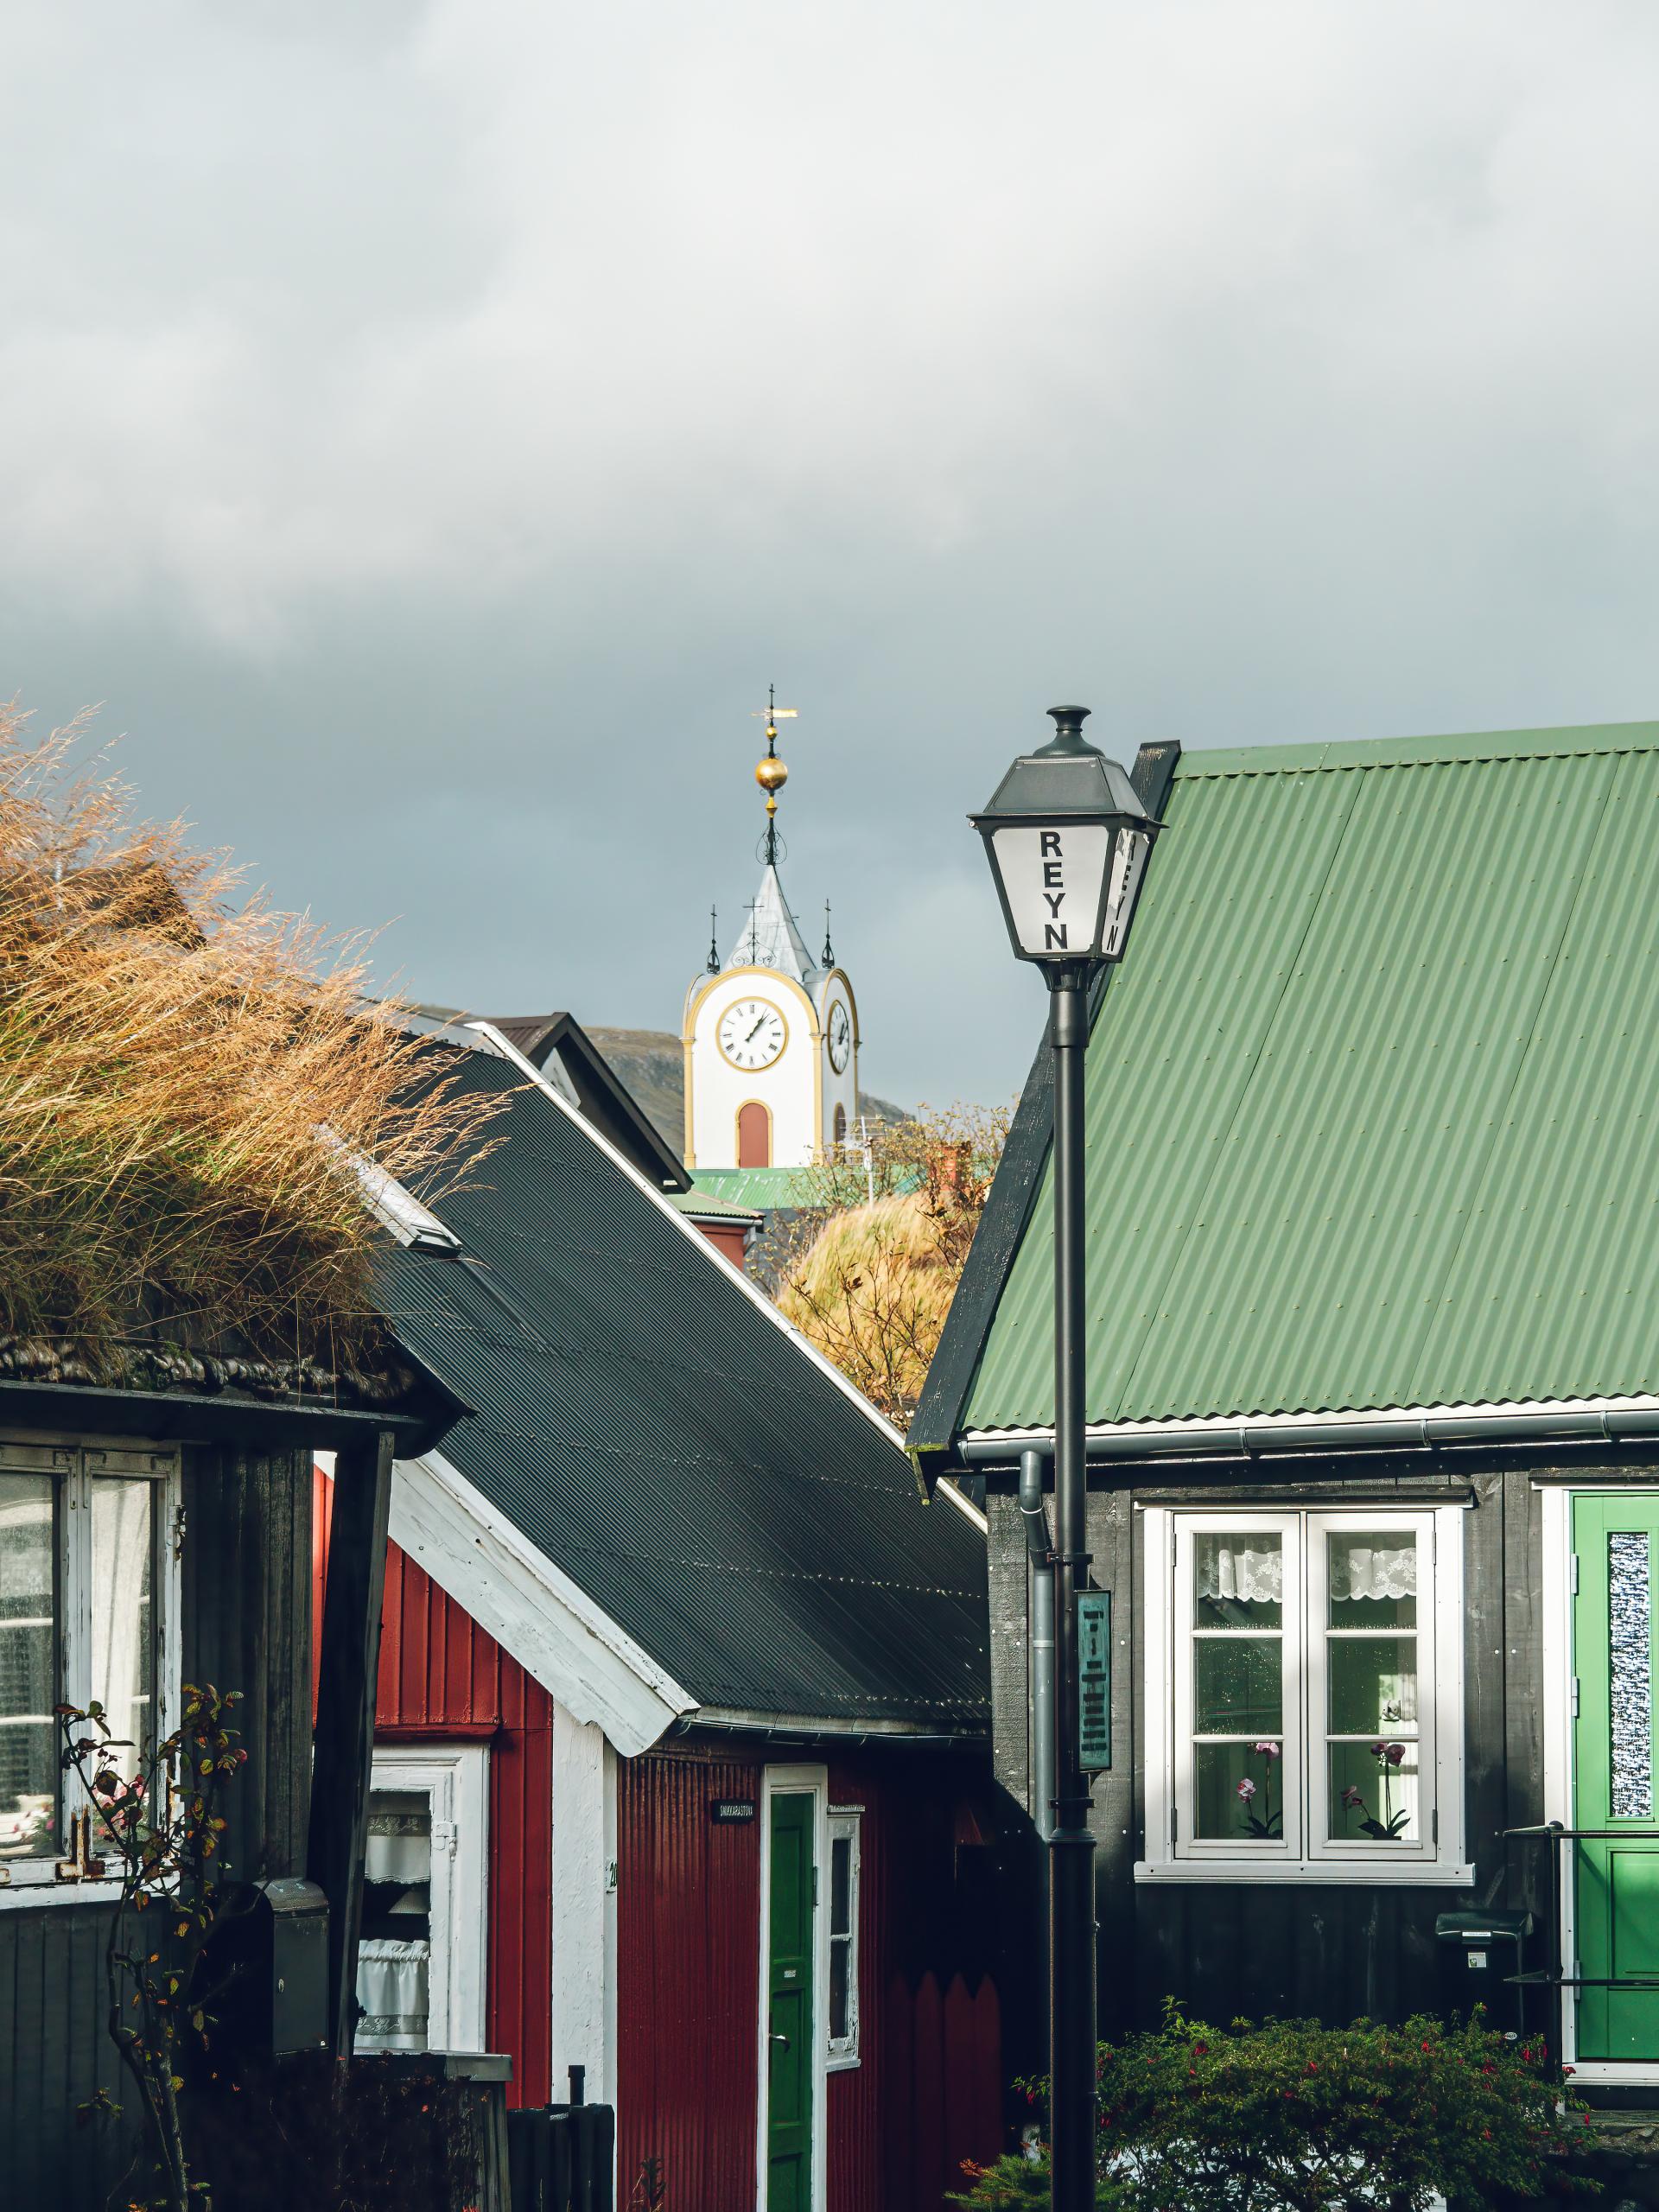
(681, 1773)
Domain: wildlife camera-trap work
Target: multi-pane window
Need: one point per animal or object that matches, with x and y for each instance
(82, 1572)
(844, 1937)
(1292, 1659)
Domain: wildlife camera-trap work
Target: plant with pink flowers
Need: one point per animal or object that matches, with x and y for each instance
(1394, 1819)
(1268, 1823)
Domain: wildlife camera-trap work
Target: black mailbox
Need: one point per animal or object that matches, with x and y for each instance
(1479, 1951)
(268, 1959)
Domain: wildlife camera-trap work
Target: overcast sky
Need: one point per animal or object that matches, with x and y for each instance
(428, 428)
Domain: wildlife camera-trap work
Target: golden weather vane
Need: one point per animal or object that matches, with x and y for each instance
(771, 773)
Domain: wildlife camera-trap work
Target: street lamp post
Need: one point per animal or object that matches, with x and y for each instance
(1068, 842)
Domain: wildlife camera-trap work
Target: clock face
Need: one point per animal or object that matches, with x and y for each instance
(752, 1033)
(841, 1037)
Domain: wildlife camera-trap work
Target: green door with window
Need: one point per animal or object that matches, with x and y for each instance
(789, 2003)
(1616, 1562)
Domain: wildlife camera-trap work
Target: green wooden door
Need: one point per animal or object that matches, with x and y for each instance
(1616, 1545)
(789, 2012)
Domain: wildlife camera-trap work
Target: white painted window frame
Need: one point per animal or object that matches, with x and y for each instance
(846, 1824)
(1166, 1705)
(777, 1781)
(455, 1778)
(71, 1462)
(1187, 1529)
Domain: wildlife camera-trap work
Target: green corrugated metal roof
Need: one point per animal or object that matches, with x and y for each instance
(706, 1205)
(1373, 1105)
(764, 1188)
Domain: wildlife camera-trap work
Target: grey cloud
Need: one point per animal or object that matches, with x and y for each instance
(429, 428)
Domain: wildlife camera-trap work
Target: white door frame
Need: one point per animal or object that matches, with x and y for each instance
(1556, 1500)
(776, 1780)
(456, 1777)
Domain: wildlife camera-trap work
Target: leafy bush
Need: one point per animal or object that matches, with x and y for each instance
(1293, 2117)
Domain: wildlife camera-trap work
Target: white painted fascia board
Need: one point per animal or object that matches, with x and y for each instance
(555, 1630)
(1231, 1424)
(711, 1257)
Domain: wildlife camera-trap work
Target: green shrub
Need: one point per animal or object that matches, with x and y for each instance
(1293, 2117)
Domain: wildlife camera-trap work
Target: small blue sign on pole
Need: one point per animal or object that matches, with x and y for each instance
(1095, 1680)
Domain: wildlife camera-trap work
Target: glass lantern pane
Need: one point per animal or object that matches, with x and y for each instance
(1373, 1684)
(29, 1733)
(1373, 1579)
(1375, 1800)
(1239, 1580)
(1237, 1686)
(1054, 881)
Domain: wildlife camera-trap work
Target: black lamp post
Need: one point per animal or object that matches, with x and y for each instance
(1068, 842)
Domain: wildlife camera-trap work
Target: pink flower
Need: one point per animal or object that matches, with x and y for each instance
(1247, 1790)
(1266, 1751)
(1394, 1754)
(1351, 1798)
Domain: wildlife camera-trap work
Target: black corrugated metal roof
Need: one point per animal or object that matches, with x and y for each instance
(665, 1444)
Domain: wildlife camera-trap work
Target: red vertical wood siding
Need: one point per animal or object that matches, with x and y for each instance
(442, 1678)
(688, 1974)
(688, 1981)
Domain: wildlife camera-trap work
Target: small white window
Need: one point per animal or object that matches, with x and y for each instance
(86, 1577)
(1304, 1695)
(421, 1953)
(842, 2013)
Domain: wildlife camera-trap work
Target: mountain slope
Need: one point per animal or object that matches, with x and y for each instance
(652, 1064)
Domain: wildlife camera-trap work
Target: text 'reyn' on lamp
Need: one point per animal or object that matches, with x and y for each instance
(1067, 840)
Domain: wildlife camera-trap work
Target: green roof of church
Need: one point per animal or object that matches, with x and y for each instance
(765, 1189)
(1373, 1102)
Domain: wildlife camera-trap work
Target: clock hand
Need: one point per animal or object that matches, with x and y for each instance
(759, 1025)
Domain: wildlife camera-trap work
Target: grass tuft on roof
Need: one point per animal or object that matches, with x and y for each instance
(179, 1068)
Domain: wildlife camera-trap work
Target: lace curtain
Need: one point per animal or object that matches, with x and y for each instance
(1240, 1571)
(1360, 1568)
(1231, 1570)
(392, 1987)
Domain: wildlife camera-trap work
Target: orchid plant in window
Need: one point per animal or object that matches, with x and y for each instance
(1390, 1758)
(1268, 1825)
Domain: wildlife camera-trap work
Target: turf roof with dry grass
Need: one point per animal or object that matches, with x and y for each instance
(183, 1072)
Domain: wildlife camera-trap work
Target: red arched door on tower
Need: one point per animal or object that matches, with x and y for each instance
(753, 1136)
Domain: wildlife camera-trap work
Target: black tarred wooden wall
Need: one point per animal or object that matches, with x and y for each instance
(1332, 1952)
(245, 1572)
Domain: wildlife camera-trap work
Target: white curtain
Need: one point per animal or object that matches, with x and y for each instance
(392, 1987)
(1361, 1569)
(1231, 1570)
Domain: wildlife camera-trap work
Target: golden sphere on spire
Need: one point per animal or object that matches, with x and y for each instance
(770, 774)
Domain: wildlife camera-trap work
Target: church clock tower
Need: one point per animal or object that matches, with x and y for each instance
(771, 1035)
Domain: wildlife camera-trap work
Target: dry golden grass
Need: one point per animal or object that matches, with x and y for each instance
(871, 1291)
(870, 1280)
(171, 1055)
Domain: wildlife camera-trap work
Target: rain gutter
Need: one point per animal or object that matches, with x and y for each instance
(1395, 1432)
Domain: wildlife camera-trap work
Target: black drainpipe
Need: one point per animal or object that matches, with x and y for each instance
(1041, 1550)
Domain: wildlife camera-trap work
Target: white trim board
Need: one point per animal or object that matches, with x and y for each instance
(551, 1626)
(714, 1258)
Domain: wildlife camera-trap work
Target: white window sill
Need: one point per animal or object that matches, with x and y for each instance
(14, 1894)
(1354, 1873)
(841, 2062)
